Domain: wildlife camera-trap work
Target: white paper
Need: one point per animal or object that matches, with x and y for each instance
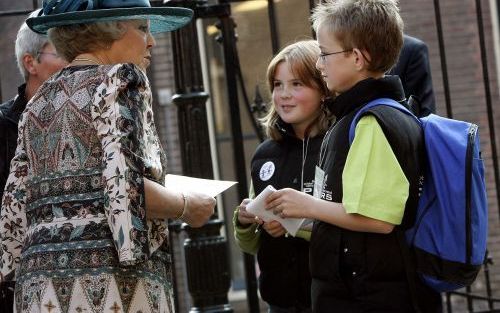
(258, 207)
(209, 187)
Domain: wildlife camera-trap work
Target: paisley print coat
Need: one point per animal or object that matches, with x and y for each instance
(73, 225)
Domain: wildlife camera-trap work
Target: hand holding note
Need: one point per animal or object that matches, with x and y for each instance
(198, 208)
(198, 195)
(258, 207)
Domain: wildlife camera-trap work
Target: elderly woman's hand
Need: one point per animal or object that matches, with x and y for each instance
(199, 208)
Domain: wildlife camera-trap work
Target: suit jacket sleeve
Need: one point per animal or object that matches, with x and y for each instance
(418, 78)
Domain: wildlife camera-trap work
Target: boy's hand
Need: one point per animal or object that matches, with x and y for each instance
(289, 202)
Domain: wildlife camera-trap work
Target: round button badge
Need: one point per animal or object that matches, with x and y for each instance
(266, 171)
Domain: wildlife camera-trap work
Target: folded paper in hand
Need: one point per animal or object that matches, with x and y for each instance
(258, 207)
(209, 187)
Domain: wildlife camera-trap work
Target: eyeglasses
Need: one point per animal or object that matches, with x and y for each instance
(323, 56)
(49, 53)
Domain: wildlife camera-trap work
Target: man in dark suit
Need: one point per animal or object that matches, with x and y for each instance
(414, 70)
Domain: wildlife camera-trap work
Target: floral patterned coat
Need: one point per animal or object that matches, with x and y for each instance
(73, 225)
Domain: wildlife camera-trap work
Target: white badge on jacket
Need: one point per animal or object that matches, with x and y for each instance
(266, 171)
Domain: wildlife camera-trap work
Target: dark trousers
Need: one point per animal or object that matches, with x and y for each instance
(7, 296)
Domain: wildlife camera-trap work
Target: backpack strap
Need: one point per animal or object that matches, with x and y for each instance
(374, 103)
(409, 264)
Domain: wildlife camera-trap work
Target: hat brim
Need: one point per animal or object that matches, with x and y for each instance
(164, 19)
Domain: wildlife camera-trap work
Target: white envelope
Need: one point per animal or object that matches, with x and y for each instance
(207, 186)
(257, 207)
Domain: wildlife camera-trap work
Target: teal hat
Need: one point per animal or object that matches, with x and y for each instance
(56, 13)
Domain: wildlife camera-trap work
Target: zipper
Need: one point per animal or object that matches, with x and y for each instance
(468, 197)
(304, 158)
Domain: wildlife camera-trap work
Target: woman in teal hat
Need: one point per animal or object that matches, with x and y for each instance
(84, 212)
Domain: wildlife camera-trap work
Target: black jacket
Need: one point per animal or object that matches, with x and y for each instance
(414, 70)
(10, 112)
(357, 271)
(284, 280)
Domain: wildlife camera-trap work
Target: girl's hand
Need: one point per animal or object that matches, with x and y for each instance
(245, 217)
(274, 228)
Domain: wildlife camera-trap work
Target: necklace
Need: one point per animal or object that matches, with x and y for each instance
(87, 60)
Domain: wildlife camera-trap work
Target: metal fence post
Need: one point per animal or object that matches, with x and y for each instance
(205, 249)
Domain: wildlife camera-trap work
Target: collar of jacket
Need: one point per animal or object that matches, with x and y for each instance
(288, 133)
(365, 91)
(285, 129)
(18, 106)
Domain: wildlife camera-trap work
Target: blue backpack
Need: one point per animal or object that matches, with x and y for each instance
(448, 239)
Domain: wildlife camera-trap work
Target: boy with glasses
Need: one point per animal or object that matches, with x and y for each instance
(366, 188)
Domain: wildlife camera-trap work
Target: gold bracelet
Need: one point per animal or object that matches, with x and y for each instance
(180, 216)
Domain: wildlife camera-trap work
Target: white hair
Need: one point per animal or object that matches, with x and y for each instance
(28, 42)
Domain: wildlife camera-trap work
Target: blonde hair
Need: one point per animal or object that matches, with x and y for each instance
(72, 40)
(371, 25)
(301, 57)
